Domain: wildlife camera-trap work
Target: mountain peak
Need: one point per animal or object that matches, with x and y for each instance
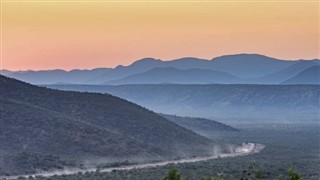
(190, 59)
(242, 56)
(145, 61)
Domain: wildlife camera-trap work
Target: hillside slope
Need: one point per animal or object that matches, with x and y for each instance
(308, 76)
(285, 74)
(199, 125)
(74, 127)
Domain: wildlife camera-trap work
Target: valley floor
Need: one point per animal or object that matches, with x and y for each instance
(287, 145)
(243, 150)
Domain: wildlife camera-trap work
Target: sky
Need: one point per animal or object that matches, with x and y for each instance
(89, 34)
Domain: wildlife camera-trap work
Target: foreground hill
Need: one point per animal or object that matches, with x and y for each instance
(199, 125)
(257, 103)
(47, 129)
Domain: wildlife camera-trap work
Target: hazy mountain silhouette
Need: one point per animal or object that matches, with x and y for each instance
(5, 72)
(248, 68)
(124, 71)
(248, 65)
(177, 76)
(75, 76)
(241, 65)
(308, 76)
(286, 73)
(45, 129)
(255, 103)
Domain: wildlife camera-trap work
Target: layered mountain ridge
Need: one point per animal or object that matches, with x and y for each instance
(244, 68)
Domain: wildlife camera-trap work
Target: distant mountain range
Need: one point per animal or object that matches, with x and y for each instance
(45, 129)
(254, 103)
(229, 69)
(177, 76)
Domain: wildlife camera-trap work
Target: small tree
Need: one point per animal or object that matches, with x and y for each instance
(173, 174)
(293, 175)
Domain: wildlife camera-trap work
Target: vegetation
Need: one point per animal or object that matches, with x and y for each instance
(293, 175)
(174, 174)
(83, 129)
(43, 129)
(249, 174)
(295, 145)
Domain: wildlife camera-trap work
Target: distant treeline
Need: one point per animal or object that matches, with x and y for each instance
(251, 173)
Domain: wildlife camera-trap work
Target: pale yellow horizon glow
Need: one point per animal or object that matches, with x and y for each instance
(89, 34)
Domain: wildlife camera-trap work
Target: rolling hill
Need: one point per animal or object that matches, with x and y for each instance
(308, 76)
(45, 129)
(285, 74)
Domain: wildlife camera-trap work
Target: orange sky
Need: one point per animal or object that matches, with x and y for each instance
(67, 35)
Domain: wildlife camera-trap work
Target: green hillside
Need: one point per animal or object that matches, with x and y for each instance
(46, 129)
